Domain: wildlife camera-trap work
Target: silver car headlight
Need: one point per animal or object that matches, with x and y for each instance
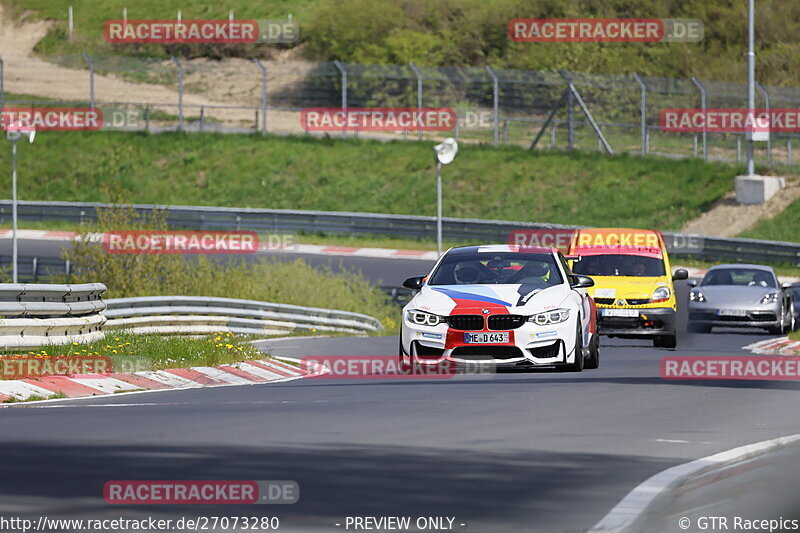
(770, 298)
(549, 317)
(696, 296)
(421, 318)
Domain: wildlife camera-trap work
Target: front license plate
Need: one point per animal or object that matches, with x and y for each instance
(732, 312)
(630, 313)
(486, 338)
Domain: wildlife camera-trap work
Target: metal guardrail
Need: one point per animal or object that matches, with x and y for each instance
(40, 314)
(454, 229)
(202, 315)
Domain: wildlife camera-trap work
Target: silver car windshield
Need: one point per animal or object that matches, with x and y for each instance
(740, 276)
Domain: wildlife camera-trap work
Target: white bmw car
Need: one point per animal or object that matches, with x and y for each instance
(501, 305)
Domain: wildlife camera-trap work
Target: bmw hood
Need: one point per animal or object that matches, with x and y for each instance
(469, 299)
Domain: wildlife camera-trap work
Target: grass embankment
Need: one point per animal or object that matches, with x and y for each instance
(130, 352)
(795, 335)
(785, 226)
(369, 176)
(442, 32)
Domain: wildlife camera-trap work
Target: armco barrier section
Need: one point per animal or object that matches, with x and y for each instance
(36, 315)
(454, 229)
(202, 315)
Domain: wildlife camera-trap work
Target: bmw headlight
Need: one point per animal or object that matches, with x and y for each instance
(661, 294)
(770, 298)
(549, 317)
(421, 318)
(696, 296)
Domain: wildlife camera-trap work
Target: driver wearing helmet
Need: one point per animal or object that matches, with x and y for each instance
(534, 272)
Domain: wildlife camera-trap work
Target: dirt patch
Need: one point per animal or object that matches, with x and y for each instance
(728, 218)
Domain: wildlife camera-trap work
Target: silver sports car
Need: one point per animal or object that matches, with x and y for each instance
(740, 296)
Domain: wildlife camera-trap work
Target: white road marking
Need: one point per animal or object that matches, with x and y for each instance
(625, 513)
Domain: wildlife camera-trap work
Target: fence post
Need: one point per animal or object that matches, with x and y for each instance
(2, 93)
(570, 121)
(419, 92)
(553, 135)
(344, 95)
(571, 90)
(703, 107)
(71, 25)
(147, 118)
(738, 148)
(505, 132)
(495, 105)
(642, 112)
(766, 106)
(202, 117)
(180, 92)
(458, 127)
(88, 59)
(263, 95)
(789, 152)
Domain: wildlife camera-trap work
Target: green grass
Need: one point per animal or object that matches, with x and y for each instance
(36, 398)
(795, 335)
(785, 226)
(130, 352)
(89, 17)
(368, 176)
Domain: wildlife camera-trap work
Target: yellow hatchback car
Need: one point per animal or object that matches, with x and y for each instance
(633, 290)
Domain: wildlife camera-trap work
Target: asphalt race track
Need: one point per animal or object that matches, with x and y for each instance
(539, 451)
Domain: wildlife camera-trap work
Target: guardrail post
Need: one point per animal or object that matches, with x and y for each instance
(2, 93)
(505, 132)
(702, 89)
(147, 117)
(495, 105)
(458, 127)
(766, 107)
(570, 121)
(202, 116)
(642, 112)
(35, 269)
(88, 59)
(419, 91)
(180, 91)
(553, 135)
(263, 95)
(789, 152)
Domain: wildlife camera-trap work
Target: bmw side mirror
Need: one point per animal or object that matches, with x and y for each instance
(680, 273)
(414, 283)
(581, 282)
(692, 283)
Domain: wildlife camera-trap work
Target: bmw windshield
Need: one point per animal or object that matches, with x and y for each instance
(497, 268)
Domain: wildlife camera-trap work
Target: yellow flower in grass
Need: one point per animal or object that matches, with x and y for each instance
(229, 346)
(113, 351)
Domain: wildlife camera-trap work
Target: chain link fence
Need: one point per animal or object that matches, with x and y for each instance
(494, 106)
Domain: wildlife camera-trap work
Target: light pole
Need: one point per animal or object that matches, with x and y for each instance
(751, 81)
(445, 153)
(15, 133)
